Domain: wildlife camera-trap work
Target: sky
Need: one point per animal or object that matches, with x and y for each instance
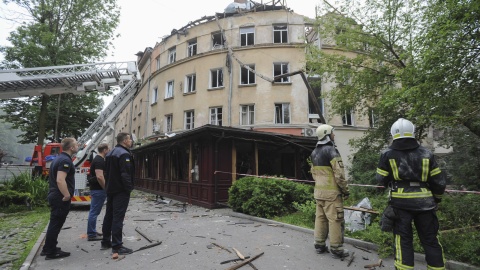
(144, 22)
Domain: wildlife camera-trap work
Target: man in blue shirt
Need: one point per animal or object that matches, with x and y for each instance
(61, 180)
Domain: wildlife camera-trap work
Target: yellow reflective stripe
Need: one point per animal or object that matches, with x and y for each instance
(405, 134)
(382, 172)
(398, 255)
(425, 166)
(435, 268)
(396, 136)
(411, 195)
(435, 171)
(393, 164)
(438, 196)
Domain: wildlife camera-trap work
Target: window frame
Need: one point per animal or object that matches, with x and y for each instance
(216, 36)
(348, 115)
(217, 71)
(247, 36)
(282, 71)
(168, 123)
(168, 90)
(284, 108)
(189, 120)
(282, 33)
(249, 113)
(172, 55)
(155, 95)
(250, 75)
(190, 84)
(216, 116)
(192, 47)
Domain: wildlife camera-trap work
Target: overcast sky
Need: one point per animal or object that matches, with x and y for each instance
(144, 22)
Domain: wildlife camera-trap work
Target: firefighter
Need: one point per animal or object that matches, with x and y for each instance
(331, 189)
(416, 185)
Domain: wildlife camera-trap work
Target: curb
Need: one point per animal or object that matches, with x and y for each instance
(451, 265)
(28, 261)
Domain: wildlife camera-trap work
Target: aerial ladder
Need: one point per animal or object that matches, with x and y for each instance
(76, 79)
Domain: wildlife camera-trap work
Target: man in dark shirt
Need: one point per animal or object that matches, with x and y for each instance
(61, 181)
(97, 191)
(119, 175)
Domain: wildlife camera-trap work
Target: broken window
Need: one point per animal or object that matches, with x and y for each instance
(247, 76)
(192, 48)
(172, 55)
(247, 36)
(169, 90)
(190, 83)
(373, 118)
(216, 116)
(280, 34)
(218, 40)
(216, 78)
(189, 119)
(247, 114)
(282, 113)
(280, 69)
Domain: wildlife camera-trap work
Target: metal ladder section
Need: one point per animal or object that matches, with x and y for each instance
(104, 124)
(76, 79)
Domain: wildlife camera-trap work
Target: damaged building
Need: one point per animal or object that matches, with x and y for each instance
(212, 107)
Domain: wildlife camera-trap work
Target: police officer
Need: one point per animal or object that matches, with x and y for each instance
(330, 190)
(416, 185)
(119, 175)
(61, 183)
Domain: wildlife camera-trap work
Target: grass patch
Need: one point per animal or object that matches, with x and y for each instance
(297, 219)
(21, 226)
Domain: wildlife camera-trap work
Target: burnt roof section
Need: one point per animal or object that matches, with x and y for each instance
(257, 7)
(307, 143)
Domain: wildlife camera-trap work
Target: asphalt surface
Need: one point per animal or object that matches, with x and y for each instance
(193, 237)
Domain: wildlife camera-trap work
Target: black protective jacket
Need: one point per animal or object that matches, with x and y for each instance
(119, 170)
(411, 173)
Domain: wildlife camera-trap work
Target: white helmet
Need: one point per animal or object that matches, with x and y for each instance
(324, 130)
(402, 128)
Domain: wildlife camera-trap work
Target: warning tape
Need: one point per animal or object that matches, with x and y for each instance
(358, 185)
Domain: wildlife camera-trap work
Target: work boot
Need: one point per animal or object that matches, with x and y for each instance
(43, 252)
(95, 238)
(122, 250)
(321, 249)
(339, 253)
(57, 255)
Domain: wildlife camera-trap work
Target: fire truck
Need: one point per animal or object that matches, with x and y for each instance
(76, 79)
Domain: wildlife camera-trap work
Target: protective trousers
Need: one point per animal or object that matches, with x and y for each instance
(117, 204)
(426, 224)
(329, 222)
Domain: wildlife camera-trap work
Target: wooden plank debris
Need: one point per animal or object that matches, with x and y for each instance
(142, 234)
(245, 262)
(224, 248)
(164, 257)
(148, 246)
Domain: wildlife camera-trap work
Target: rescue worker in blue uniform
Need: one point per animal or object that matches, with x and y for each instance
(119, 176)
(331, 188)
(61, 183)
(416, 185)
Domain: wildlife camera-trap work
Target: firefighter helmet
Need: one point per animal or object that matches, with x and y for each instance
(324, 130)
(402, 128)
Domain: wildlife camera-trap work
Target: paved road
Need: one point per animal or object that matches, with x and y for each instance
(193, 240)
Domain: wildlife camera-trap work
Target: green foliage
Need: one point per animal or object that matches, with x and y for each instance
(459, 210)
(26, 187)
(76, 113)
(267, 197)
(9, 197)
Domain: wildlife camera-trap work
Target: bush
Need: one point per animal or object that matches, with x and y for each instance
(12, 197)
(36, 188)
(267, 197)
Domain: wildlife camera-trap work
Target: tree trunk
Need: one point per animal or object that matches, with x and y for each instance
(42, 118)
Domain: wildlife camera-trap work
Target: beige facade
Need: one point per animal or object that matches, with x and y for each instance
(189, 80)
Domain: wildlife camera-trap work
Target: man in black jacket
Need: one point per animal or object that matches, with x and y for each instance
(119, 175)
(416, 185)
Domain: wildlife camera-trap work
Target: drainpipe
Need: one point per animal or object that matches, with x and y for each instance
(230, 91)
(216, 169)
(147, 102)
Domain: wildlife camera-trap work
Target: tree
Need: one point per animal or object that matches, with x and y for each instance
(414, 59)
(58, 32)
